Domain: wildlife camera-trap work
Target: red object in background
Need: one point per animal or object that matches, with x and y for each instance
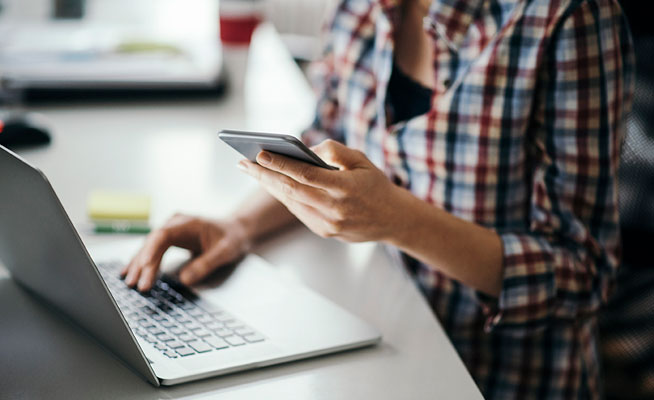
(238, 30)
(2, 125)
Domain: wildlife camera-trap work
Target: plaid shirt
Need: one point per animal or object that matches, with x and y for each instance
(523, 137)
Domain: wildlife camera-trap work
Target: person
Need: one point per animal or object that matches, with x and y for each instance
(481, 140)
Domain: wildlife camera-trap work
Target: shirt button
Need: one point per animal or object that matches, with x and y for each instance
(447, 83)
(397, 180)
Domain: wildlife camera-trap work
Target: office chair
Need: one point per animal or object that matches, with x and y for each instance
(627, 323)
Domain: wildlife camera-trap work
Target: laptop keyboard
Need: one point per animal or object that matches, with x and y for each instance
(169, 318)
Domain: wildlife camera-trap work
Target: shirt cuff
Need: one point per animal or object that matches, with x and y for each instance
(527, 298)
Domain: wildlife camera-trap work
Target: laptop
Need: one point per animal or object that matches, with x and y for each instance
(249, 317)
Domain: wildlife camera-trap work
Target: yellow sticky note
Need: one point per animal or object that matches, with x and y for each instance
(104, 205)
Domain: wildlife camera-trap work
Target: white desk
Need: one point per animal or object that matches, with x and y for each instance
(170, 150)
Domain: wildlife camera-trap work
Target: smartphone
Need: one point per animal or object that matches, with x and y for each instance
(251, 143)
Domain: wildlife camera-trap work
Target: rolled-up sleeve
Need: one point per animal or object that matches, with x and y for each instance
(563, 267)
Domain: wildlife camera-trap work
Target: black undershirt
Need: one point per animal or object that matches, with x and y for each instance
(406, 98)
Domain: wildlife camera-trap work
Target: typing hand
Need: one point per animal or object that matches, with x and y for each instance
(356, 203)
(213, 243)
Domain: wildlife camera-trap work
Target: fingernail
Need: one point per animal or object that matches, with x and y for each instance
(242, 166)
(264, 158)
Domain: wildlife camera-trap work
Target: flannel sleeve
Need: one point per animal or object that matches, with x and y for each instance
(563, 267)
(324, 76)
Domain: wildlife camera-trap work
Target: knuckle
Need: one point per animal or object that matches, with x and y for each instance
(337, 225)
(280, 163)
(324, 233)
(306, 174)
(256, 173)
(176, 218)
(160, 235)
(330, 144)
(340, 213)
(288, 187)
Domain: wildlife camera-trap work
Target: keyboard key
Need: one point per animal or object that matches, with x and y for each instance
(162, 285)
(234, 340)
(193, 326)
(243, 330)
(165, 337)
(214, 325)
(187, 306)
(222, 332)
(216, 342)
(155, 330)
(254, 337)
(202, 332)
(175, 344)
(145, 323)
(204, 318)
(140, 332)
(176, 330)
(170, 354)
(196, 312)
(233, 324)
(148, 310)
(159, 346)
(184, 351)
(224, 317)
(166, 323)
(150, 339)
(186, 337)
(200, 346)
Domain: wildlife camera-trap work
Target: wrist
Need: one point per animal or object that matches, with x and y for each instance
(400, 224)
(243, 227)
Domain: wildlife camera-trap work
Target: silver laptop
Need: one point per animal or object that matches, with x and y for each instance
(248, 317)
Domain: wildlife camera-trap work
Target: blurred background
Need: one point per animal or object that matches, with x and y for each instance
(143, 86)
(48, 45)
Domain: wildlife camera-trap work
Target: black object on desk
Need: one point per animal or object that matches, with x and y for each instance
(21, 131)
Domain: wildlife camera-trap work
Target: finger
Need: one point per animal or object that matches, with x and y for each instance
(147, 278)
(132, 275)
(313, 219)
(338, 154)
(203, 265)
(150, 256)
(124, 270)
(300, 171)
(283, 187)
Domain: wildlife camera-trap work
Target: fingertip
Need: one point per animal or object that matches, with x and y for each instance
(145, 284)
(264, 158)
(131, 278)
(187, 276)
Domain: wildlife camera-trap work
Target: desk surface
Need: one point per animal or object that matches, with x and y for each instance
(169, 149)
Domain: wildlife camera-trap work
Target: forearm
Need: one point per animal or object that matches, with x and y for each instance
(460, 249)
(262, 215)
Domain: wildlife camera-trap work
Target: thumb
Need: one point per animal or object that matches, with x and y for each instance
(335, 153)
(204, 264)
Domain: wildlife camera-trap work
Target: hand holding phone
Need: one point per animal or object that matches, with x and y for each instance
(250, 144)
